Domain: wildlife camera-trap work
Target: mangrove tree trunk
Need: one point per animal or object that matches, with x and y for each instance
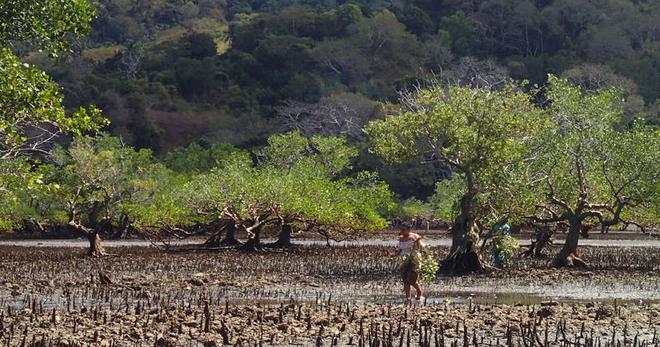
(253, 242)
(567, 257)
(95, 247)
(463, 257)
(229, 240)
(284, 237)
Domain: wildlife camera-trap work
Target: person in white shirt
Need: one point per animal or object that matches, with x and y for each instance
(409, 247)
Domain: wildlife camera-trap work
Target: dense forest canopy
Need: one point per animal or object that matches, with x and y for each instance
(168, 73)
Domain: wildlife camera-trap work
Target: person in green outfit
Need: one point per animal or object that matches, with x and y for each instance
(499, 229)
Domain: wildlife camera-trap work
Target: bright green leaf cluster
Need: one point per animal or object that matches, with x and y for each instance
(587, 169)
(31, 109)
(480, 134)
(45, 23)
(505, 248)
(101, 181)
(427, 268)
(293, 182)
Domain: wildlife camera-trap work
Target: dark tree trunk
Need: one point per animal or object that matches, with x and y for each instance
(542, 240)
(228, 240)
(95, 247)
(463, 257)
(123, 228)
(230, 236)
(284, 238)
(253, 242)
(567, 257)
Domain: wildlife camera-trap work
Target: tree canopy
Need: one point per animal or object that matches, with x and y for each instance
(589, 172)
(46, 24)
(32, 114)
(478, 133)
(294, 182)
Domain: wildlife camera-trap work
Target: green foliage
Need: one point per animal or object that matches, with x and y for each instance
(478, 133)
(444, 200)
(31, 110)
(329, 155)
(413, 208)
(293, 183)
(505, 249)
(101, 181)
(631, 171)
(427, 268)
(19, 185)
(44, 23)
(198, 158)
(441, 205)
(587, 168)
(29, 99)
(459, 32)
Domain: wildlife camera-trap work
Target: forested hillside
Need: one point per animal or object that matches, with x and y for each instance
(168, 73)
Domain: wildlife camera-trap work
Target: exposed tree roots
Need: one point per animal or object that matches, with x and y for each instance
(461, 262)
(571, 261)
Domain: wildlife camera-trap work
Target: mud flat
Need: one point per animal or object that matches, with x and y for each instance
(434, 242)
(318, 296)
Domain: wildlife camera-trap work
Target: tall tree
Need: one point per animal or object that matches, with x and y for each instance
(479, 133)
(589, 173)
(31, 111)
(101, 181)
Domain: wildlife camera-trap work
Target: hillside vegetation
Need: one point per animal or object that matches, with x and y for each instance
(167, 73)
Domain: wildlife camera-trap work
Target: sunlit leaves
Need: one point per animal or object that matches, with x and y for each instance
(293, 181)
(31, 109)
(102, 179)
(330, 154)
(444, 200)
(32, 116)
(591, 166)
(18, 185)
(480, 133)
(196, 158)
(44, 23)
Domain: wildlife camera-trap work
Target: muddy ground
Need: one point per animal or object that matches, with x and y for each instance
(317, 295)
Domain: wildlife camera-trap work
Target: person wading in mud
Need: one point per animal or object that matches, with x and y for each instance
(409, 248)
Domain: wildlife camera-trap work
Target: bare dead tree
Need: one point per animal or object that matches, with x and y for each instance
(343, 114)
(478, 73)
(469, 71)
(131, 60)
(40, 138)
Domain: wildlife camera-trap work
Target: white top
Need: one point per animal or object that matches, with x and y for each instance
(406, 247)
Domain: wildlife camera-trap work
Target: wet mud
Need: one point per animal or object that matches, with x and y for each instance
(316, 295)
